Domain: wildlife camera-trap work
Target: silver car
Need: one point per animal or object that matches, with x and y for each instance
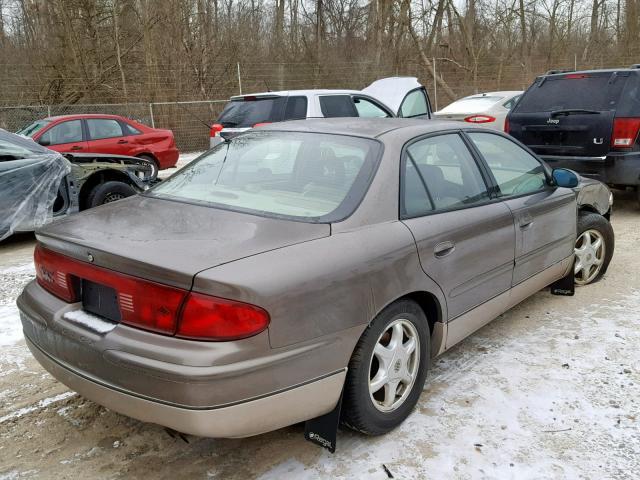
(297, 265)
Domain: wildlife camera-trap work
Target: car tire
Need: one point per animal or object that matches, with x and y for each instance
(367, 412)
(155, 166)
(109, 192)
(594, 248)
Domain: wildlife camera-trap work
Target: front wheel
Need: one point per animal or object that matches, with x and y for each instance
(593, 249)
(387, 370)
(109, 192)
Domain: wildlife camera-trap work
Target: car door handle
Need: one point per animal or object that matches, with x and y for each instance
(122, 141)
(443, 249)
(76, 147)
(525, 220)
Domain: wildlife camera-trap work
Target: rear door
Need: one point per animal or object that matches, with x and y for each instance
(569, 114)
(105, 135)
(465, 240)
(545, 216)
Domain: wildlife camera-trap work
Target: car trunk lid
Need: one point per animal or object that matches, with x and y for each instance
(167, 241)
(569, 114)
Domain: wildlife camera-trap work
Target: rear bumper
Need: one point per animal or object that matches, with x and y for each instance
(218, 389)
(167, 158)
(239, 420)
(621, 169)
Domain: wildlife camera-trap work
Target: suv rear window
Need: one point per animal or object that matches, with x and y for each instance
(599, 92)
(247, 111)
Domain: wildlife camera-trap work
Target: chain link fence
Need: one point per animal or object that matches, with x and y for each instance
(189, 121)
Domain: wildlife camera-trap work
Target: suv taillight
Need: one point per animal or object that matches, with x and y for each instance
(215, 128)
(625, 132)
(150, 305)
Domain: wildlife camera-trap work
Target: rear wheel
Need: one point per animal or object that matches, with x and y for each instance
(387, 370)
(109, 192)
(593, 249)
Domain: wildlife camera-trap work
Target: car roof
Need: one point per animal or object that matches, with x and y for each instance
(84, 115)
(604, 70)
(363, 127)
(285, 93)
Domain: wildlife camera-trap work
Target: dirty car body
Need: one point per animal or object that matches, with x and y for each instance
(270, 261)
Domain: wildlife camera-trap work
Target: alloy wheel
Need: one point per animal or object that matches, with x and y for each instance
(590, 250)
(394, 365)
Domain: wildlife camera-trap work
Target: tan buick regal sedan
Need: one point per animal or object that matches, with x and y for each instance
(297, 265)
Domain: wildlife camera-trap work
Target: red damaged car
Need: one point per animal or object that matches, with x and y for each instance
(112, 134)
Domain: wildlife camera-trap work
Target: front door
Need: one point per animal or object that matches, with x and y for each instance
(545, 216)
(465, 240)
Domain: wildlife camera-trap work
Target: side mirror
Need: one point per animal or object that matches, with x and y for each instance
(44, 142)
(565, 178)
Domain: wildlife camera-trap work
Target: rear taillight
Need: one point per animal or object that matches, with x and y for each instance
(204, 318)
(261, 124)
(215, 128)
(506, 124)
(625, 132)
(150, 305)
(480, 119)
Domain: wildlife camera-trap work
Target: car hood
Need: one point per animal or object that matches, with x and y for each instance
(169, 241)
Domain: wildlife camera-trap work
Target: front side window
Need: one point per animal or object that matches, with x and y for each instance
(337, 106)
(305, 176)
(65, 132)
(516, 171)
(414, 104)
(439, 174)
(103, 128)
(366, 108)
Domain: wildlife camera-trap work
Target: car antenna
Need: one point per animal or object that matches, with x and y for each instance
(194, 116)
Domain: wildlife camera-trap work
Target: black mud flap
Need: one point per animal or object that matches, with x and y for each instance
(565, 286)
(323, 430)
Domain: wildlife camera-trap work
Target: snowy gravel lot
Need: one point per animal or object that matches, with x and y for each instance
(551, 389)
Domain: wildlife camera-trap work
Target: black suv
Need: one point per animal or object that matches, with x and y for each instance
(587, 121)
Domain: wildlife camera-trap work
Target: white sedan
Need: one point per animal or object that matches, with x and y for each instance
(490, 109)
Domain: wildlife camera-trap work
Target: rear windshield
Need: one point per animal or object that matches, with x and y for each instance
(32, 129)
(247, 111)
(599, 92)
(471, 104)
(303, 176)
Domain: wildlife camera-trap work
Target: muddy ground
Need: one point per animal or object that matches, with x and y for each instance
(551, 389)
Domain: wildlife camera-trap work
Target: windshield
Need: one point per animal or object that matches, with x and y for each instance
(573, 91)
(35, 127)
(306, 176)
(247, 111)
(471, 105)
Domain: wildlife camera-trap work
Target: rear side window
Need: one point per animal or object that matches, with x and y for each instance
(509, 104)
(630, 103)
(600, 92)
(103, 128)
(65, 132)
(247, 111)
(414, 104)
(440, 174)
(337, 106)
(130, 130)
(296, 108)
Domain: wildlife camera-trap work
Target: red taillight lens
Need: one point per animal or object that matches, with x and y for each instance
(52, 274)
(480, 119)
(261, 124)
(142, 303)
(506, 124)
(215, 128)
(152, 306)
(625, 132)
(210, 318)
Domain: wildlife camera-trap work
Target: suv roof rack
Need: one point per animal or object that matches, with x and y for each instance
(560, 70)
(635, 66)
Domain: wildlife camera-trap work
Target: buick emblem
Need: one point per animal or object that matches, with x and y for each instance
(90, 257)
